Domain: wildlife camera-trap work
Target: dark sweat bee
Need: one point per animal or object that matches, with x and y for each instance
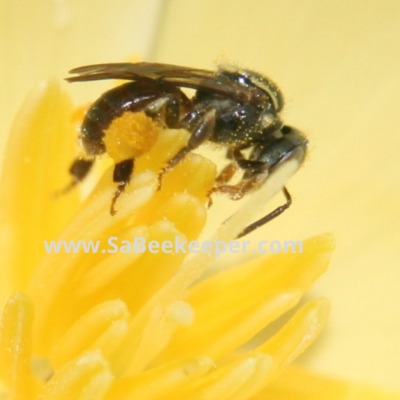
(237, 108)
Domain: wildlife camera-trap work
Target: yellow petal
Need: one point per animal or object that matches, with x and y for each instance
(141, 347)
(262, 371)
(157, 383)
(225, 382)
(102, 328)
(249, 374)
(244, 285)
(178, 209)
(219, 337)
(15, 347)
(115, 264)
(87, 377)
(50, 289)
(298, 333)
(153, 270)
(39, 151)
(233, 306)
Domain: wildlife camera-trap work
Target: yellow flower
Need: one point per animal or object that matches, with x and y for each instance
(142, 325)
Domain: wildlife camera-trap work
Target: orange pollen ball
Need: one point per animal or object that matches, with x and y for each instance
(130, 135)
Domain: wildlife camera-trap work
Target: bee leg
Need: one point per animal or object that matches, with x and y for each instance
(223, 177)
(235, 154)
(165, 108)
(269, 217)
(253, 166)
(200, 133)
(79, 170)
(122, 175)
(258, 170)
(236, 192)
(227, 173)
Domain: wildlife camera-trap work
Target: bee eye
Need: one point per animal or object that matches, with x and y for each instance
(286, 129)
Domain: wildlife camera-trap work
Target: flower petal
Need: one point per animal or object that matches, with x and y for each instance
(233, 306)
(40, 149)
(102, 328)
(157, 383)
(87, 377)
(225, 382)
(52, 291)
(15, 347)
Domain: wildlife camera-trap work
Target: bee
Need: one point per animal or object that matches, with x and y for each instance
(236, 108)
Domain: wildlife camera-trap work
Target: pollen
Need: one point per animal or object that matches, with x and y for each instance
(130, 135)
(78, 114)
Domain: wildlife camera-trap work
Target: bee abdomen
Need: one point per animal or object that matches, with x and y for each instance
(129, 97)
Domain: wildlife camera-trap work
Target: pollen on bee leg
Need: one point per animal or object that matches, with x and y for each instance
(130, 135)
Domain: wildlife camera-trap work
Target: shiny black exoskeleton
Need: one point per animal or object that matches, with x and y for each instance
(234, 107)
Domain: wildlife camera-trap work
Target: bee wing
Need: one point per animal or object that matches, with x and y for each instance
(164, 74)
